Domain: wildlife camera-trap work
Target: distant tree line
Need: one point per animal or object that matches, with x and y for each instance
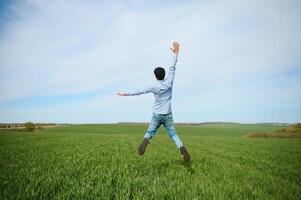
(208, 123)
(22, 125)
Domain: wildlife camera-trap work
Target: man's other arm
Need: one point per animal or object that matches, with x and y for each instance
(172, 69)
(137, 92)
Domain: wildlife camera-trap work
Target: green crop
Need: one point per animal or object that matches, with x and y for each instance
(101, 162)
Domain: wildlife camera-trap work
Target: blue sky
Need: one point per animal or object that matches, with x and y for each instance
(64, 61)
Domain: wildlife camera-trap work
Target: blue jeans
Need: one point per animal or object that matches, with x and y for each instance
(167, 121)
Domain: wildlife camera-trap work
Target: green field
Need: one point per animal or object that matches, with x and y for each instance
(101, 162)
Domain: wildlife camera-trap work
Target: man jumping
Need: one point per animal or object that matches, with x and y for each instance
(162, 114)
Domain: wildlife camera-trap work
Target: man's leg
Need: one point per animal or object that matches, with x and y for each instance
(151, 131)
(169, 125)
(153, 127)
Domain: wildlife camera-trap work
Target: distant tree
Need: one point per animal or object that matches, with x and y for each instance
(29, 126)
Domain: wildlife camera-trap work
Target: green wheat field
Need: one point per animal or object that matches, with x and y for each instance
(101, 162)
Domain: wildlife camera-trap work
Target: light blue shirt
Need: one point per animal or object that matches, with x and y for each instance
(162, 91)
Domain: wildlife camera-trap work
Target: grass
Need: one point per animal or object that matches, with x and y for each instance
(101, 162)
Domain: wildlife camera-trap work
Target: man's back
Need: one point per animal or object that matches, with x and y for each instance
(162, 104)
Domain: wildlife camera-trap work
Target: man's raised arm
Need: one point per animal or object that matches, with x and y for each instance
(171, 74)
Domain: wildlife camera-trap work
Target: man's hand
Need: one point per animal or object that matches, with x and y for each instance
(122, 94)
(176, 47)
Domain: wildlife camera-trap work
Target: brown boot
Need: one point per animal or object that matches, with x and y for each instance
(142, 146)
(185, 154)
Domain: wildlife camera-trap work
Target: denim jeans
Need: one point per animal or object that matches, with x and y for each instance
(167, 121)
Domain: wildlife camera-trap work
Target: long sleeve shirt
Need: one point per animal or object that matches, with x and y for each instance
(162, 90)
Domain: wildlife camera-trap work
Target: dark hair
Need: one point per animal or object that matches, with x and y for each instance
(160, 73)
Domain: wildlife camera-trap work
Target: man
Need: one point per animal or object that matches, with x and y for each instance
(162, 114)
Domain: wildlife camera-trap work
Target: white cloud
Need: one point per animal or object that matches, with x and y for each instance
(71, 47)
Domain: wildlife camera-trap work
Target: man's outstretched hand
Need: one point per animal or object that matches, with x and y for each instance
(176, 47)
(122, 94)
